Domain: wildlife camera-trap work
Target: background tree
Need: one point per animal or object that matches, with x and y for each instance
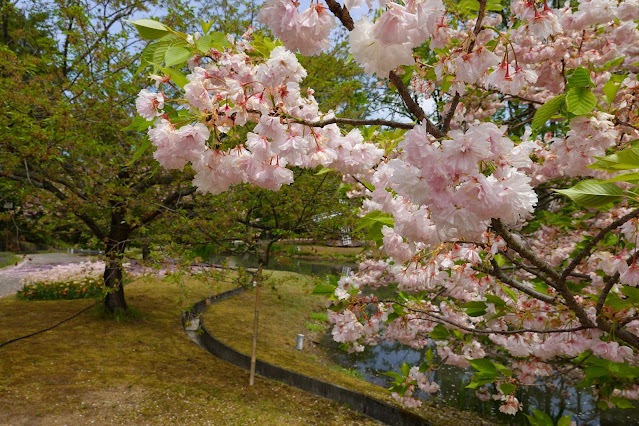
(62, 132)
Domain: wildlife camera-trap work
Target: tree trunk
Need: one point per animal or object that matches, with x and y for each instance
(113, 271)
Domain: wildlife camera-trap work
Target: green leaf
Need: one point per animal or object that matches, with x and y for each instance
(621, 402)
(206, 26)
(631, 293)
(393, 374)
(564, 421)
(323, 171)
(509, 291)
(475, 309)
(176, 76)
(547, 110)
(507, 388)
(624, 177)
(429, 355)
(580, 78)
(503, 370)
(324, 289)
(612, 86)
(627, 159)
(145, 145)
(367, 185)
(539, 418)
(160, 49)
(593, 193)
(447, 81)
(215, 40)
(497, 301)
(374, 222)
(611, 64)
(439, 333)
(176, 55)
(501, 260)
(146, 57)
(139, 124)
(580, 100)
(150, 29)
(391, 317)
(484, 365)
(405, 369)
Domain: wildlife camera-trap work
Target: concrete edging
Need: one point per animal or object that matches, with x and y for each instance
(372, 407)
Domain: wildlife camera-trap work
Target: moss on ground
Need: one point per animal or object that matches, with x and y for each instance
(141, 371)
(286, 308)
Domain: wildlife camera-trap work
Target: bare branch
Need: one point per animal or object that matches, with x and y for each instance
(445, 125)
(499, 274)
(586, 251)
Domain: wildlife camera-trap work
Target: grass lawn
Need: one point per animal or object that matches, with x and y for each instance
(145, 371)
(287, 308)
(8, 258)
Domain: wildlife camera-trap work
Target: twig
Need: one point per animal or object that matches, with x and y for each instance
(585, 252)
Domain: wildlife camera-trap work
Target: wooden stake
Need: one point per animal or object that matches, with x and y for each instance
(258, 281)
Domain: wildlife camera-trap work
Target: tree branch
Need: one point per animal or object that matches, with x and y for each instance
(357, 122)
(168, 202)
(499, 274)
(445, 126)
(586, 251)
(345, 18)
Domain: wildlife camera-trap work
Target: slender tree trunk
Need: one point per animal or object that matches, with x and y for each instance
(113, 272)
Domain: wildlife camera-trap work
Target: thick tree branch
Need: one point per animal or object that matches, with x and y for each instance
(559, 283)
(51, 188)
(413, 106)
(357, 122)
(524, 252)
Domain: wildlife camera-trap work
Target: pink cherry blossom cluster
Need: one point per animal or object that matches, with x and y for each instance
(228, 92)
(307, 31)
(449, 180)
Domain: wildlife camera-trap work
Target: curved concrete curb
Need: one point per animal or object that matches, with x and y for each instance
(372, 407)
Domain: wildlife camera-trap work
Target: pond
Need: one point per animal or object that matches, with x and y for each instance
(320, 268)
(389, 356)
(564, 400)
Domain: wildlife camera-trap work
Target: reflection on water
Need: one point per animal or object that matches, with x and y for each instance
(564, 400)
(309, 267)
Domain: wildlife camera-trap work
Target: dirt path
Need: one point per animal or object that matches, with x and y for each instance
(11, 276)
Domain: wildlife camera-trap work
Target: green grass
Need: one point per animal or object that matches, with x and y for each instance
(9, 259)
(319, 316)
(144, 370)
(285, 307)
(316, 328)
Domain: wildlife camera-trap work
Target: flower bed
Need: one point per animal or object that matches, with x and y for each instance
(71, 281)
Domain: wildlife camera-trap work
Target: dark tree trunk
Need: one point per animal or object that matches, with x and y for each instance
(113, 272)
(146, 250)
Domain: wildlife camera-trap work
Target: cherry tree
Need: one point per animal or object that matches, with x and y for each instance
(506, 211)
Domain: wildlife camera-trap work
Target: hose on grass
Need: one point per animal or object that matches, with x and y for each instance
(49, 328)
